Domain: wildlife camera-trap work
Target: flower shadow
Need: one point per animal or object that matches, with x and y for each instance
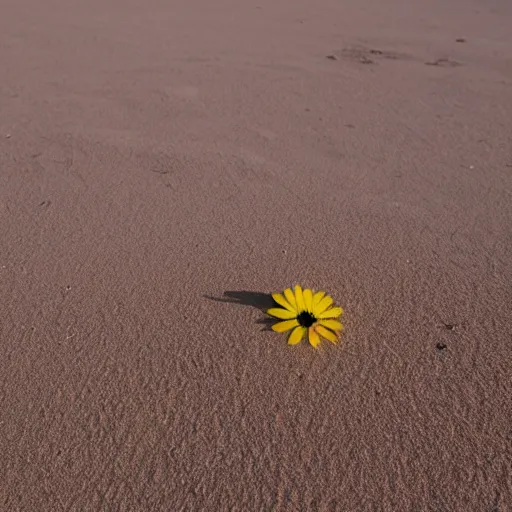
(258, 300)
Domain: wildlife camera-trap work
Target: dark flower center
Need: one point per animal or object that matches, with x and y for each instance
(306, 319)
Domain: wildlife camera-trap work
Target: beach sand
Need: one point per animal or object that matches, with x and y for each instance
(166, 165)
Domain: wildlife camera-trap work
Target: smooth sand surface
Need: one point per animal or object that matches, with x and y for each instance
(166, 164)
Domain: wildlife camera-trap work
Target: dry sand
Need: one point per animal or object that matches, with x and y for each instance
(164, 165)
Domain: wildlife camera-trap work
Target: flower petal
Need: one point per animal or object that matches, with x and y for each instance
(334, 325)
(285, 326)
(283, 302)
(290, 297)
(283, 314)
(299, 298)
(296, 335)
(322, 305)
(330, 313)
(308, 299)
(317, 297)
(328, 335)
(314, 339)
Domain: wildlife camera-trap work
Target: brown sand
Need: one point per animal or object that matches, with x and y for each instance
(158, 155)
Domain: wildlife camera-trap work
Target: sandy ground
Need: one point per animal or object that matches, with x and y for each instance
(164, 165)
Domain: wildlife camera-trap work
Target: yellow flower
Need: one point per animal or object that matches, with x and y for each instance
(305, 311)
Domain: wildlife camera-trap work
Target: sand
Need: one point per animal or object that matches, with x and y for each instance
(165, 165)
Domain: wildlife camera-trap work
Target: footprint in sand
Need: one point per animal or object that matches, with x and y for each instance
(444, 63)
(364, 55)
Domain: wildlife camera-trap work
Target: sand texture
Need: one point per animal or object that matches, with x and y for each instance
(165, 164)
